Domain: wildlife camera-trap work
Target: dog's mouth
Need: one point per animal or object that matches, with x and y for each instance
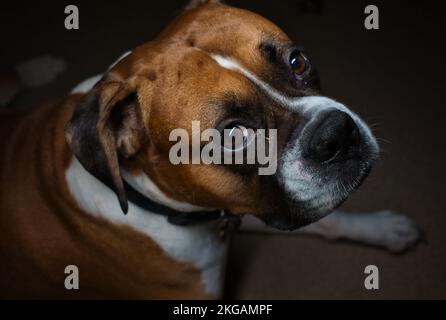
(313, 199)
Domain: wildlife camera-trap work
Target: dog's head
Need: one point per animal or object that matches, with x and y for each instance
(229, 69)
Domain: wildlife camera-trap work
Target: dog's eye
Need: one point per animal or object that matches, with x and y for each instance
(298, 63)
(237, 137)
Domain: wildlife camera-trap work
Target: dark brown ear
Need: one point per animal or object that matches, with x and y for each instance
(106, 127)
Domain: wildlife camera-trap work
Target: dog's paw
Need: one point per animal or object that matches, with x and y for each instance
(395, 232)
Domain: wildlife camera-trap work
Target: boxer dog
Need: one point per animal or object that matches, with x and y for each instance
(88, 182)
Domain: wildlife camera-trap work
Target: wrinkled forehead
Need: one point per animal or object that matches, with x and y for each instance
(204, 88)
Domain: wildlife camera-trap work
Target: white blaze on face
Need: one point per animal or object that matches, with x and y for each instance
(306, 106)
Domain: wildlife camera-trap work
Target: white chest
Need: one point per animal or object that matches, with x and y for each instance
(199, 245)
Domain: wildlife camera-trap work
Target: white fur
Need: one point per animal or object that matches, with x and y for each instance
(389, 230)
(144, 185)
(86, 85)
(199, 245)
(392, 231)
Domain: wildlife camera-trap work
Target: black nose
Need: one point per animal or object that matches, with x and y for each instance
(334, 138)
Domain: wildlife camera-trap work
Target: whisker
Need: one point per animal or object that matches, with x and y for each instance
(383, 140)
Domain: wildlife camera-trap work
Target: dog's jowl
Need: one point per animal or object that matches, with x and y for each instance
(89, 182)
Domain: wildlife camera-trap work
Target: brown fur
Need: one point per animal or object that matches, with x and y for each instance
(42, 231)
(41, 228)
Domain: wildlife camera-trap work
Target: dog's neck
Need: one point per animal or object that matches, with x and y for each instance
(197, 244)
(144, 193)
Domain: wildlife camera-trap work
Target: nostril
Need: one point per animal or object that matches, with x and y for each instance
(323, 150)
(333, 147)
(334, 136)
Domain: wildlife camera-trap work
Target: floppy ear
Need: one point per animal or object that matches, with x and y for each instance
(106, 127)
(195, 3)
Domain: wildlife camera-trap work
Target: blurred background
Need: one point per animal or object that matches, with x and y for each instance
(393, 77)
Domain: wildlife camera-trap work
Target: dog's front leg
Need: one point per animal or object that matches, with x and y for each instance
(392, 231)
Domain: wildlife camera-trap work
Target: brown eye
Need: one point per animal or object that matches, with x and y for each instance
(237, 137)
(298, 63)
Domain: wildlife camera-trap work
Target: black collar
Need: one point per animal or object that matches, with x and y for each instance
(173, 216)
(229, 223)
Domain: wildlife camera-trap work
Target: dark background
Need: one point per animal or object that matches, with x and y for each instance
(394, 77)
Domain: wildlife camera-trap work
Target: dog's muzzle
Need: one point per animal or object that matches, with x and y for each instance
(326, 159)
